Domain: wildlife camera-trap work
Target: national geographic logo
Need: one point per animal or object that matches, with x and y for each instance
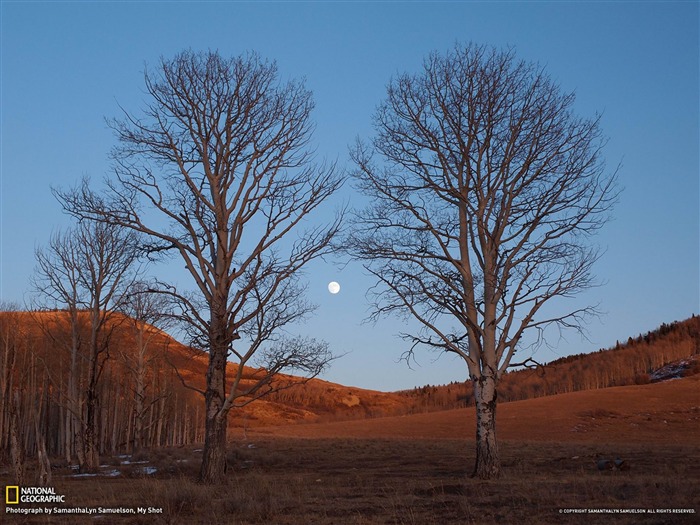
(15, 494)
(11, 495)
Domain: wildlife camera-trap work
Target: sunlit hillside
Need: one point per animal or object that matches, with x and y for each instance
(627, 363)
(155, 385)
(167, 408)
(666, 412)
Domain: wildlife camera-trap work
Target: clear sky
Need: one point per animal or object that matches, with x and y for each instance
(68, 65)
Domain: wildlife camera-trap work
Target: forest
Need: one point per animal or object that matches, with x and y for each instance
(140, 400)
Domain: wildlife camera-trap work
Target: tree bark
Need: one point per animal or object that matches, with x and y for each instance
(158, 437)
(213, 470)
(140, 387)
(91, 458)
(44, 475)
(16, 441)
(488, 461)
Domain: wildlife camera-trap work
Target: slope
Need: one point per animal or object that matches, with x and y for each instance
(665, 413)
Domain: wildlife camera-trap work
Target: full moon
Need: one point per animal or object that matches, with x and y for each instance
(333, 287)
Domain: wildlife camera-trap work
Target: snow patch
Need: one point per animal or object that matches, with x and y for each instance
(671, 371)
(110, 474)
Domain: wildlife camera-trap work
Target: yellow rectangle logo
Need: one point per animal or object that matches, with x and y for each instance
(9, 499)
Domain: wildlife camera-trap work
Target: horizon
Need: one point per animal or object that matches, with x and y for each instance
(68, 66)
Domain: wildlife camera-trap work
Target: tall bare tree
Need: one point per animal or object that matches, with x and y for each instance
(86, 271)
(486, 188)
(218, 170)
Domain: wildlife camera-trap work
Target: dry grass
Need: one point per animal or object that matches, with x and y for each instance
(400, 481)
(415, 470)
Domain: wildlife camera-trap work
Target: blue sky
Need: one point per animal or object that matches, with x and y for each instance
(68, 65)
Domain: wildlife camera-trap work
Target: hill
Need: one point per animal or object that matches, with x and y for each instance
(632, 362)
(665, 413)
(150, 387)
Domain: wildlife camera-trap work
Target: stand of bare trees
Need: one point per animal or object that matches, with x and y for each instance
(145, 309)
(10, 327)
(85, 270)
(218, 172)
(486, 189)
(36, 420)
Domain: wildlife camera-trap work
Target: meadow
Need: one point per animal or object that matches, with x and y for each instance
(415, 469)
(392, 481)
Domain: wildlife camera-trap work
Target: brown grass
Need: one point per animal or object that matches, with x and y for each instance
(664, 413)
(415, 469)
(398, 481)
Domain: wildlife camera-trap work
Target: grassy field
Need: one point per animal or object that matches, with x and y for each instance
(415, 469)
(398, 481)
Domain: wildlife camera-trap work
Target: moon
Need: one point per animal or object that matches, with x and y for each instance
(333, 287)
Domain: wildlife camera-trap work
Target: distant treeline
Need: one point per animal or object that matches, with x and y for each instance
(627, 363)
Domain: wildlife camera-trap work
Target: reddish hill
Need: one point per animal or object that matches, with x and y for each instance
(35, 356)
(306, 400)
(665, 413)
(632, 362)
(35, 363)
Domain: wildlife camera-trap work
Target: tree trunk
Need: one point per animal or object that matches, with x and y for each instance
(16, 445)
(161, 419)
(90, 435)
(116, 424)
(44, 475)
(139, 412)
(213, 469)
(76, 396)
(488, 461)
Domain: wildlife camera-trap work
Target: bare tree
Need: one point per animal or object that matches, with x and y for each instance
(148, 312)
(44, 474)
(485, 193)
(218, 171)
(57, 281)
(85, 271)
(16, 442)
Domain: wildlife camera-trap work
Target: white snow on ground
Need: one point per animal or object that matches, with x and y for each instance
(672, 370)
(114, 473)
(110, 472)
